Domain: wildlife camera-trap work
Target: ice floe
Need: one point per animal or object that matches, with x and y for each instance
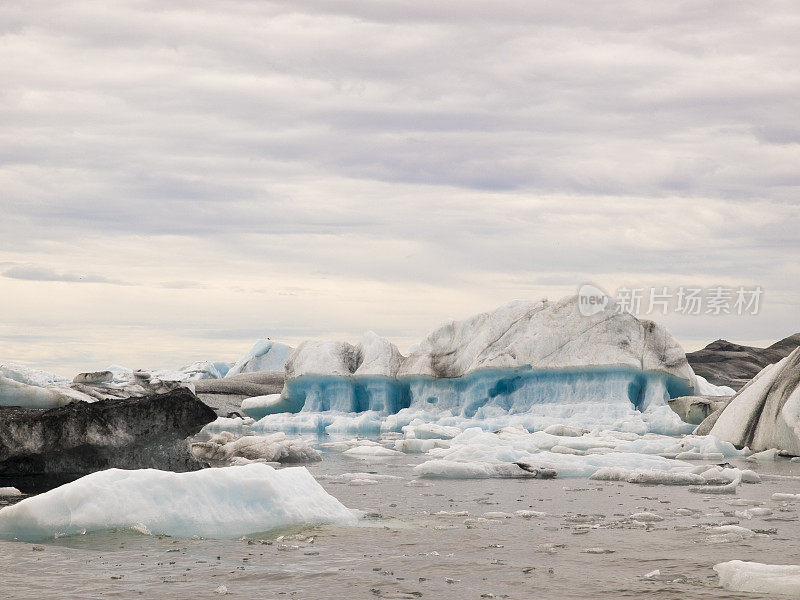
(742, 576)
(276, 447)
(648, 459)
(224, 503)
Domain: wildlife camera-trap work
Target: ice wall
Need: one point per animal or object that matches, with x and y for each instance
(619, 397)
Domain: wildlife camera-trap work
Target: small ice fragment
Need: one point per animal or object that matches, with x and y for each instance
(652, 574)
(371, 451)
(765, 456)
(786, 497)
(646, 517)
(565, 430)
(529, 514)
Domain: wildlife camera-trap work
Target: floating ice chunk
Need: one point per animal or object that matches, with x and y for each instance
(597, 550)
(29, 375)
(270, 448)
(371, 452)
(743, 532)
(483, 450)
(764, 456)
(652, 574)
(224, 503)
(704, 388)
(420, 430)
(530, 514)
(496, 514)
(712, 456)
(741, 576)
(565, 430)
(414, 446)
(478, 470)
(785, 497)
(342, 445)
(350, 477)
(647, 477)
(752, 512)
(8, 492)
(232, 424)
(749, 476)
(15, 393)
(258, 407)
(646, 517)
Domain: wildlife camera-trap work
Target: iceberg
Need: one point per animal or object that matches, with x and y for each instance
(533, 364)
(765, 414)
(219, 503)
(16, 393)
(265, 355)
(29, 376)
(69, 441)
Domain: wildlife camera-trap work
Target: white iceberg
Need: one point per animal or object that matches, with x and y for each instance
(532, 364)
(29, 375)
(265, 355)
(765, 414)
(219, 503)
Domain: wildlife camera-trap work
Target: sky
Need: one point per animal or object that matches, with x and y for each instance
(180, 179)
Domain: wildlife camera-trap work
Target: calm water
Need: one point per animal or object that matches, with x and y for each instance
(403, 550)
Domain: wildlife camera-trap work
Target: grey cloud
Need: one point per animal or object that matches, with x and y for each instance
(261, 147)
(32, 273)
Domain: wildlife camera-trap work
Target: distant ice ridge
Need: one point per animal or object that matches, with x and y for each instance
(223, 503)
(526, 363)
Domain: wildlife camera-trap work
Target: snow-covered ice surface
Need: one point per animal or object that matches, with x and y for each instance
(446, 538)
(225, 502)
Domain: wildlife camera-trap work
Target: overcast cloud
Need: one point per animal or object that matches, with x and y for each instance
(176, 182)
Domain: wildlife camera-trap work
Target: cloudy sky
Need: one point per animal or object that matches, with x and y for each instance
(177, 182)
